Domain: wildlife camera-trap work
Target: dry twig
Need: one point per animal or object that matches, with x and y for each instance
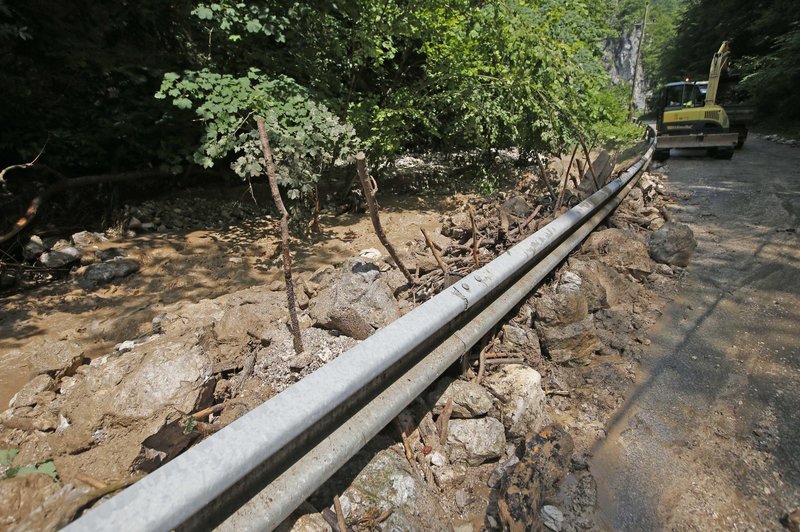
(369, 192)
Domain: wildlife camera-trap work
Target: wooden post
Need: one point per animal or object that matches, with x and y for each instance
(287, 258)
(361, 167)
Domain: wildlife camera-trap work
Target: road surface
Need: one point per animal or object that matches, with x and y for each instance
(709, 436)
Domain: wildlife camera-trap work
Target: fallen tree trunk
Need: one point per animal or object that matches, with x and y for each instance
(65, 184)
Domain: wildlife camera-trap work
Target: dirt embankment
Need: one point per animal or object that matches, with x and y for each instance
(176, 360)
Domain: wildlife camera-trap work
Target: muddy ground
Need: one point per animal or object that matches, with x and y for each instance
(109, 378)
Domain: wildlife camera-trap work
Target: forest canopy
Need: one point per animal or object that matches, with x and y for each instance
(111, 86)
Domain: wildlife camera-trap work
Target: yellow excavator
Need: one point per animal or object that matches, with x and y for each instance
(688, 118)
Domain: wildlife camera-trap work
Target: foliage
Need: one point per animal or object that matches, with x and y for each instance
(7, 457)
(306, 136)
(384, 76)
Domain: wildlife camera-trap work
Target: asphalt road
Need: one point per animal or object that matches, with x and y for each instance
(709, 436)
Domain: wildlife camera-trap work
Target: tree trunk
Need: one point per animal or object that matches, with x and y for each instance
(287, 258)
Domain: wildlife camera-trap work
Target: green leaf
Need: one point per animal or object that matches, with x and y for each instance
(203, 13)
(7, 456)
(254, 26)
(47, 467)
(182, 103)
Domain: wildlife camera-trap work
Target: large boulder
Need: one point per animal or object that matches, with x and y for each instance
(522, 386)
(474, 441)
(673, 244)
(356, 302)
(148, 391)
(469, 399)
(620, 250)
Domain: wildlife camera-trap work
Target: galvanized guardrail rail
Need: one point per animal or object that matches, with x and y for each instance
(253, 473)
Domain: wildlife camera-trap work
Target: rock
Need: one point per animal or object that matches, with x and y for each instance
(543, 463)
(573, 343)
(560, 308)
(663, 269)
(570, 283)
(33, 248)
(474, 441)
(104, 272)
(388, 484)
(635, 200)
(58, 258)
(27, 395)
(552, 517)
(469, 399)
(356, 302)
(134, 223)
(87, 238)
(517, 206)
(522, 340)
(110, 253)
(56, 358)
(145, 391)
(450, 475)
(673, 244)
(601, 285)
(370, 254)
(620, 250)
(522, 386)
(461, 498)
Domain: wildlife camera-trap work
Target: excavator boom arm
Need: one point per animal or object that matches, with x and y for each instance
(718, 66)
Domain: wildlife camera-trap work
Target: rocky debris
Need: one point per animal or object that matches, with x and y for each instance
(556, 309)
(387, 488)
(105, 272)
(29, 395)
(58, 258)
(356, 302)
(552, 517)
(673, 244)
(474, 441)
(573, 343)
(794, 143)
(544, 458)
(622, 250)
(33, 248)
(601, 285)
(516, 206)
(468, 399)
(523, 399)
(85, 239)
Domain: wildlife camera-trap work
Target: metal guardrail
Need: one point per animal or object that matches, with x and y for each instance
(253, 473)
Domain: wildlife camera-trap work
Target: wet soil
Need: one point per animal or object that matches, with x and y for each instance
(187, 266)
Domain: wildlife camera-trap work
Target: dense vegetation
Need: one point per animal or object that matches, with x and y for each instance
(765, 38)
(113, 86)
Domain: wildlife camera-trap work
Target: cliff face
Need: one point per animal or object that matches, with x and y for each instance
(619, 56)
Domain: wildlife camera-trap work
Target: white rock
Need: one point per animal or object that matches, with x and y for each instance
(522, 385)
(474, 441)
(552, 517)
(370, 253)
